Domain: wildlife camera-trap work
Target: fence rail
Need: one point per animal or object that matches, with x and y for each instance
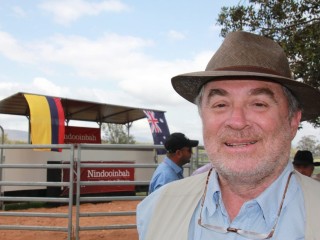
(75, 163)
(66, 200)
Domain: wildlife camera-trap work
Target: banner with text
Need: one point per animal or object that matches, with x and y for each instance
(103, 174)
(82, 135)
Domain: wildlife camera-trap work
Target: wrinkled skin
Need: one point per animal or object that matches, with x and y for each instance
(247, 131)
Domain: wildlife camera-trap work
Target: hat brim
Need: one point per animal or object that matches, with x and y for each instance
(193, 143)
(303, 163)
(188, 86)
(306, 164)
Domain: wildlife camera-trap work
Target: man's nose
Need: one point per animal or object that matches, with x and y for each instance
(237, 118)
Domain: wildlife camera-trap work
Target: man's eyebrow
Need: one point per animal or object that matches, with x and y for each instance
(263, 91)
(217, 91)
(253, 92)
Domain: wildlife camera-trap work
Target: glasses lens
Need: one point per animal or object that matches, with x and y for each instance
(252, 235)
(215, 228)
(244, 233)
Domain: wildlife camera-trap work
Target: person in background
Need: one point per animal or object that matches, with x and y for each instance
(250, 107)
(179, 152)
(303, 162)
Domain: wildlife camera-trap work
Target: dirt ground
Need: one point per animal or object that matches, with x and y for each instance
(121, 234)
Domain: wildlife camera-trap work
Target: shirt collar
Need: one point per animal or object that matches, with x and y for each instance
(269, 200)
(173, 165)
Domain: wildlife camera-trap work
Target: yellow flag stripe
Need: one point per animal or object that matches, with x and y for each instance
(40, 119)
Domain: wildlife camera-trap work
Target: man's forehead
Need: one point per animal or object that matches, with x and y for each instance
(249, 87)
(242, 83)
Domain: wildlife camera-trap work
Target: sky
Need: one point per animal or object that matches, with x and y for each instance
(110, 51)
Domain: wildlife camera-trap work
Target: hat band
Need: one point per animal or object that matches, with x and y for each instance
(250, 69)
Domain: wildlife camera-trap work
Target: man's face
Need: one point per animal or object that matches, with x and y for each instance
(304, 169)
(246, 128)
(185, 154)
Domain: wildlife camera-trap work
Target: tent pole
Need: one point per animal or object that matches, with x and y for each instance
(29, 130)
(129, 124)
(1, 162)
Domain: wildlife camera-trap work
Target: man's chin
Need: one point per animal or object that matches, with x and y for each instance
(242, 174)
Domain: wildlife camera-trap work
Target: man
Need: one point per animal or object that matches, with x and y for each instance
(179, 152)
(250, 108)
(303, 162)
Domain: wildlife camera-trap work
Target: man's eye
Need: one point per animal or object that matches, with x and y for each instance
(260, 104)
(218, 105)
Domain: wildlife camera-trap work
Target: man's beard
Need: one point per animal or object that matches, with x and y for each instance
(249, 168)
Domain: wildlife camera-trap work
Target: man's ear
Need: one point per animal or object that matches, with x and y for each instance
(294, 123)
(178, 152)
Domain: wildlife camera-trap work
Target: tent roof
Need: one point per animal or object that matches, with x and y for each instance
(77, 110)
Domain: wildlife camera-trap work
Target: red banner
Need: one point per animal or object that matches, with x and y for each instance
(82, 135)
(103, 174)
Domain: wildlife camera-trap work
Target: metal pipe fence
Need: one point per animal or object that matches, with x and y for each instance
(75, 164)
(65, 200)
(81, 199)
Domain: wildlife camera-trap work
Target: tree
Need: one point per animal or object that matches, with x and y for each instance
(294, 24)
(5, 139)
(9, 141)
(309, 143)
(116, 134)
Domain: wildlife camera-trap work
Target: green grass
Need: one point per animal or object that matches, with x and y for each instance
(316, 170)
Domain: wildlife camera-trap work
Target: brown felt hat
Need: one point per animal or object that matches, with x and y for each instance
(244, 55)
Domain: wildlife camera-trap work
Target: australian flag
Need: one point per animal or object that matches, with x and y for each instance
(159, 128)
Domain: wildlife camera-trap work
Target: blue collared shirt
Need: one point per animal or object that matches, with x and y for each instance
(166, 172)
(257, 215)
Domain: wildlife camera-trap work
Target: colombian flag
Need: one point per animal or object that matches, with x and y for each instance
(47, 120)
